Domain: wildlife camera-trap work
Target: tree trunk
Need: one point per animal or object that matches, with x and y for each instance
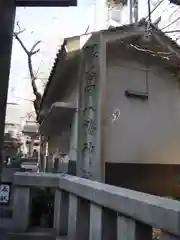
(33, 77)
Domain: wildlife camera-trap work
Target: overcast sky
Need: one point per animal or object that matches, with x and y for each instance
(51, 25)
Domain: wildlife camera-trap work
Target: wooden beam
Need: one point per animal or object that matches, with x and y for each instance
(7, 17)
(46, 3)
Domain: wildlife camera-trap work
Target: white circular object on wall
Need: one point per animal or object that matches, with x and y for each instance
(115, 115)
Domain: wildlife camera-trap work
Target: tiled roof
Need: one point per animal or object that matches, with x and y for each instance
(62, 50)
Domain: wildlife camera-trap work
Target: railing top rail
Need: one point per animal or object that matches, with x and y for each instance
(155, 211)
(26, 179)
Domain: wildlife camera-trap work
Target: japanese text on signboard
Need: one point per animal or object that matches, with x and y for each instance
(4, 193)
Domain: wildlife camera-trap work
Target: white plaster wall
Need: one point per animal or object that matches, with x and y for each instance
(59, 142)
(72, 97)
(146, 131)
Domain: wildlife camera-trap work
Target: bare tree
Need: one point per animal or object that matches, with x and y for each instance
(30, 53)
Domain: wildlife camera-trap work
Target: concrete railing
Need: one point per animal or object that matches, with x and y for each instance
(91, 210)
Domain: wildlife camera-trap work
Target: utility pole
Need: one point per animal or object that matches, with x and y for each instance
(7, 17)
(136, 14)
(130, 11)
(133, 11)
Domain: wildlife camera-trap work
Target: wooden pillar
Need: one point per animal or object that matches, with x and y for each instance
(7, 17)
(41, 158)
(43, 153)
(46, 156)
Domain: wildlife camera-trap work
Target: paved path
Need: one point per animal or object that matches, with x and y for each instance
(3, 235)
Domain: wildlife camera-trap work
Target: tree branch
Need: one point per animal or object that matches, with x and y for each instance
(30, 67)
(34, 46)
(20, 42)
(33, 53)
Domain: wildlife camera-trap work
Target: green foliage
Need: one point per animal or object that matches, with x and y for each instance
(177, 198)
(15, 162)
(177, 180)
(42, 205)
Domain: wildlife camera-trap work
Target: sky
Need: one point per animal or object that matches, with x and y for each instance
(51, 25)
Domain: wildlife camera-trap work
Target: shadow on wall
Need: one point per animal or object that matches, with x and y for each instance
(68, 167)
(156, 179)
(72, 168)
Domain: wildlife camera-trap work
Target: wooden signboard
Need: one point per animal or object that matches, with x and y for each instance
(46, 3)
(5, 190)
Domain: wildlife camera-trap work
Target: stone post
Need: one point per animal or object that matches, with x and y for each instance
(90, 161)
(61, 204)
(78, 218)
(21, 209)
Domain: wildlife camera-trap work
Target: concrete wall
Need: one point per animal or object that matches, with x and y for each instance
(60, 142)
(56, 146)
(147, 131)
(64, 144)
(6, 210)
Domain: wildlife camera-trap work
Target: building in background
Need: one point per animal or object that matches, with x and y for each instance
(103, 15)
(21, 140)
(13, 141)
(31, 138)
